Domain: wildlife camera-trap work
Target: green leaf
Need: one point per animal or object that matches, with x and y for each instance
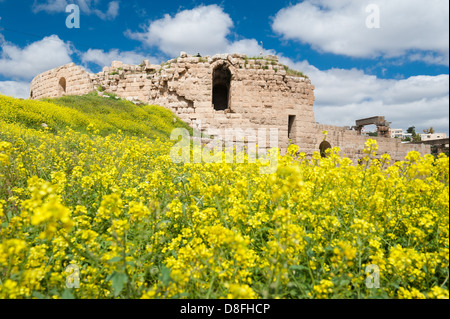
(425, 269)
(199, 201)
(37, 295)
(184, 210)
(165, 275)
(115, 259)
(298, 267)
(118, 282)
(67, 294)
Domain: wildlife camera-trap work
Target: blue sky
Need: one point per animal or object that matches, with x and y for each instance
(399, 70)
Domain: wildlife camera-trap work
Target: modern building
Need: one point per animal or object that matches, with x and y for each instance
(396, 132)
(434, 136)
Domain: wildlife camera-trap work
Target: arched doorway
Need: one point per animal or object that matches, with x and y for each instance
(323, 147)
(62, 84)
(221, 87)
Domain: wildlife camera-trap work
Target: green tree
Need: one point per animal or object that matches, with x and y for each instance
(411, 130)
(415, 137)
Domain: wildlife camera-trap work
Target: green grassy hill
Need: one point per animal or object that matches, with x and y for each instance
(107, 115)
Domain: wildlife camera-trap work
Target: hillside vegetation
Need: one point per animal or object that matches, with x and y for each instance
(108, 115)
(92, 206)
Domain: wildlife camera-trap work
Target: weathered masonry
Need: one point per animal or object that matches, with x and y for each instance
(224, 91)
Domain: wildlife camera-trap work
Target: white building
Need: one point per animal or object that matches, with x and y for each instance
(435, 136)
(364, 132)
(407, 135)
(396, 132)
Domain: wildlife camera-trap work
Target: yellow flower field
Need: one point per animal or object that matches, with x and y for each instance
(112, 204)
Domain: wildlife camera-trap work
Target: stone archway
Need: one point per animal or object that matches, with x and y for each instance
(383, 126)
(221, 87)
(62, 85)
(324, 146)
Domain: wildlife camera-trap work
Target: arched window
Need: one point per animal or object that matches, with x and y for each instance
(291, 126)
(62, 84)
(323, 147)
(221, 88)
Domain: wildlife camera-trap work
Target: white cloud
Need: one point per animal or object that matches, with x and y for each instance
(343, 96)
(430, 58)
(16, 89)
(50, 6)
(111, 13)
(203, 29)
(35, 58)
(250, 47)
(339, 27)
(103, 58)
(86, 6)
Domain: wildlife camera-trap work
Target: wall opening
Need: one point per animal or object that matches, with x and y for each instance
(369, 130)
(62, 84)
(291, 126)
(382, 126)
(221, 88)
(323, 147)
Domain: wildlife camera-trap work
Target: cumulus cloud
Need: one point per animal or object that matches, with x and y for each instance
(86, 6)
(37, 57)
(343, 96)
(103, 58)
(203, 29)
(111, 13)
(17, 89)
(339, 27)
(250, 47)
(50, 6)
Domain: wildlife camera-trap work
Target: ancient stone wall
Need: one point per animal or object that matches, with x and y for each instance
(260, 93)
(351, 143)
(69, 79)
(221, 92)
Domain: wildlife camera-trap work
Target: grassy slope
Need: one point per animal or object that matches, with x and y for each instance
(108, 115)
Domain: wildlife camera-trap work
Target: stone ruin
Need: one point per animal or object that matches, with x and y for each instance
(222, 92)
